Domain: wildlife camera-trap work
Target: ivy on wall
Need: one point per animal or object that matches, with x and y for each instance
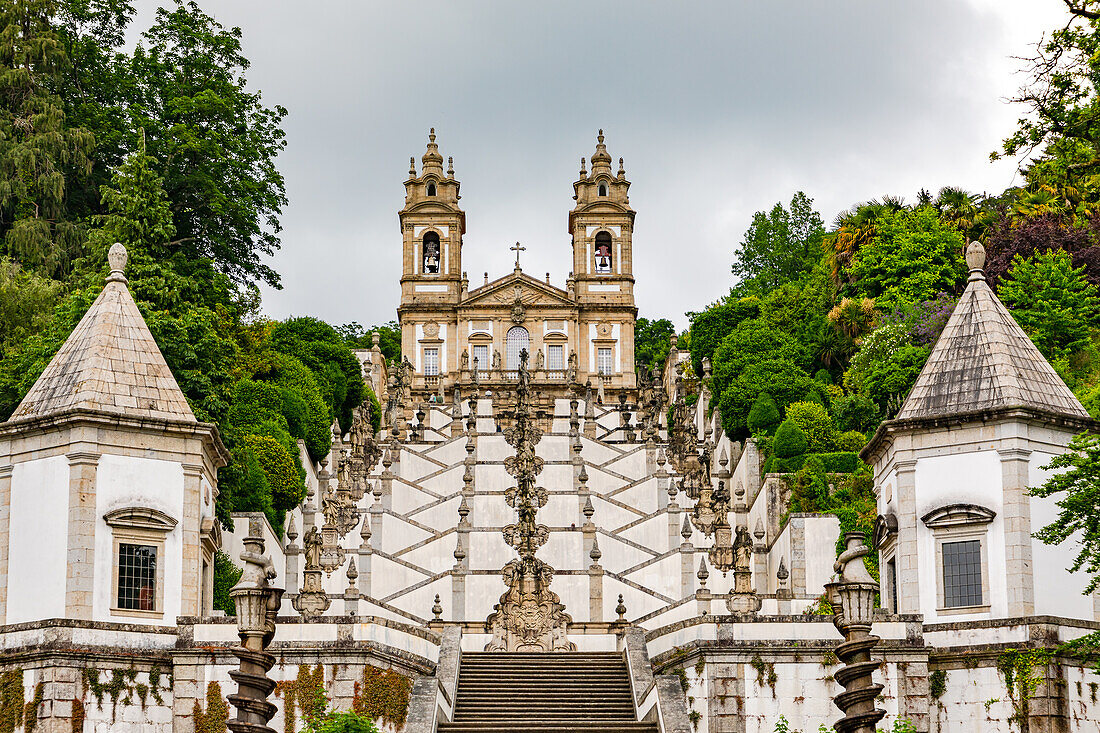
(11, 700)
(305, 693)
(122, 687)
(78, 715)
(214, 718)
(383, 693)
(30, 711)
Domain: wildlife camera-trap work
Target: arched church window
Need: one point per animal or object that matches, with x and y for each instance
(602, 252)
(517, 340)
(603, 189)
(431, 253)
(431, 189)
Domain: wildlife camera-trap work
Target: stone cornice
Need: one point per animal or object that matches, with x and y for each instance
(207, 432)
(887, 431)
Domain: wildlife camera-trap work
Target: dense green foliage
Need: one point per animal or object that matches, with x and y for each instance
(165, 149)
(226, 575)
(779, 246)
(1077, 488)
(652, 342)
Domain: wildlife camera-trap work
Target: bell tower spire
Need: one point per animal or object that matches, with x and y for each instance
(432, 226)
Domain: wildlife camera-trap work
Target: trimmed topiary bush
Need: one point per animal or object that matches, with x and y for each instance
(790, 440)
(815, 422)
(284, 480)
(852, 440)
(841, 462)
(764, 416)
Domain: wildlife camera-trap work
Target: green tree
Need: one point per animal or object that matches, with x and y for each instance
(779, 246)
(321, 348)
(37, 144)
(784, 381)
(215, 141)
(1076, 487)
(764, 416)
(752, 340)
(389, 338)
(1052, 301)
(710, 326)
(26, 303)
(651, 342)
(816, 425)
(913, 256)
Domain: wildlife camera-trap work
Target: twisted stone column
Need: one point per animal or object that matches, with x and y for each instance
(257, 605)
(852, 594)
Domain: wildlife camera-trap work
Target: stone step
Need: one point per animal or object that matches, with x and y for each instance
(564, 726)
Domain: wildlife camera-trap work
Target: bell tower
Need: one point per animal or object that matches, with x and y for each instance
(601, 225)
(432, 225)
(432, 281)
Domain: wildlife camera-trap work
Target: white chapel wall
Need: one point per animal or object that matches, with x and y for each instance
(37, 555)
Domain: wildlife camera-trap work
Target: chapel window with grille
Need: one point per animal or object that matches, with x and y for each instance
(137, 577)
(518, 340)
(962, 573)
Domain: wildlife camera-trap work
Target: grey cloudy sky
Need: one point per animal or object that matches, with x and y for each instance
(719, 108)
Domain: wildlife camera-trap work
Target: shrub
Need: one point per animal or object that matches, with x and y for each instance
(790, 440)
(842, 462)
(226, 575)
(851, 440)
(782, 380)
(284, 480)
(764, 416)
(854, 413)
(815, 423)
(293, 374)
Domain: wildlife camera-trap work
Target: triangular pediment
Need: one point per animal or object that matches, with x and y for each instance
(504, 291)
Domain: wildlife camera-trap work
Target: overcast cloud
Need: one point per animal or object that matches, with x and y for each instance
(720, 109)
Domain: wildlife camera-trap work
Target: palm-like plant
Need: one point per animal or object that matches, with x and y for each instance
(853, 229)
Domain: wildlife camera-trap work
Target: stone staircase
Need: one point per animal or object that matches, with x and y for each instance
(573, 692)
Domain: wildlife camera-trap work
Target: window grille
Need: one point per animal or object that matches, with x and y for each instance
(137, 577)
(555, 357)
(518, 340)
(962, 573)
(431, 362)
(604, 361)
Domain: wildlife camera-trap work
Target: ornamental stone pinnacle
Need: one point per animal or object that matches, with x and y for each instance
(117, 258)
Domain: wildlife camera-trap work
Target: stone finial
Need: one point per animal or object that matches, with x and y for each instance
(782, 573)
(450, 166)
(352, 573)
(758, 531)
(412, 166)
(117, 258)
(620, 609)
(588, 510)
(703, 573)
(685, 531)
(437, 609)
(595, 553)
(622, 170)
(975, 260)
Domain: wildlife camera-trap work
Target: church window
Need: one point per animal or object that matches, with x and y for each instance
(603, 189)
(518, 340)
(138, 553)
(962, 582)
(603, 252)
(431, 362)
(604, 360)
(962, 574)
(555, 357)
(480, 358)
(137, 577)
(431, 253)
(431, 189)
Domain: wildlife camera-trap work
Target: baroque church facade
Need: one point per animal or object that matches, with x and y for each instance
(510, 552)
(455, 334)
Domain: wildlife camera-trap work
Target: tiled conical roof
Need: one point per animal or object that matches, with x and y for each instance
(983, 360)
(110, 363)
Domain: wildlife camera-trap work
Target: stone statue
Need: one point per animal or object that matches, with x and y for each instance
(538, 360)
(464, 362)
(571, 372)
(312, 543)
(496, 360)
